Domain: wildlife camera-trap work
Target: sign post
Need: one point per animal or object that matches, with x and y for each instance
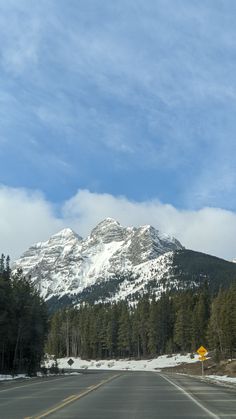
(70, 362)
(202, 352)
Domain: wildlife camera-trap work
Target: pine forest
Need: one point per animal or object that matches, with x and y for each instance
(23, 323)
(177, 322)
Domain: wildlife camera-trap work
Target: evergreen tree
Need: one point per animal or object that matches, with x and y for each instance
(183, 322)
(124, 330)
(152, 327)
(23, 322)
(165, 322)
(222, 324)
(112, 330)
(201, 313)
(143, 320)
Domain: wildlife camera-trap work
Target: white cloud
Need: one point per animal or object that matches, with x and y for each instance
(26, 217)
(210, 230)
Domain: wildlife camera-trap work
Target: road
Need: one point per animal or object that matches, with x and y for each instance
(116, 395)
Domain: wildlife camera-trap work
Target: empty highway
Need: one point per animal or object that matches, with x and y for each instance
(116, 395)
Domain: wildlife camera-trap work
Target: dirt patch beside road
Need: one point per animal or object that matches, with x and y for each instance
(210, 367)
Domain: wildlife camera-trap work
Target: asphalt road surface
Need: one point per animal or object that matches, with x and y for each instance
(116, 395)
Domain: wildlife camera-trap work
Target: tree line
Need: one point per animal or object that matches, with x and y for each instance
(176, 322)
(23, 322)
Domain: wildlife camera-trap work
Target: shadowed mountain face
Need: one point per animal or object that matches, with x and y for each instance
(116, 262)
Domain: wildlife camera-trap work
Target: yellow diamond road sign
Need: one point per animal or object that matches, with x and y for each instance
(202, 351)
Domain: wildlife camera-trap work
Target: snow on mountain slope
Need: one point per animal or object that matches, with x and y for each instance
(152, 271)
(66, 264)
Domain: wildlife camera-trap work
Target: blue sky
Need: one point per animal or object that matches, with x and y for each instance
(130, 98)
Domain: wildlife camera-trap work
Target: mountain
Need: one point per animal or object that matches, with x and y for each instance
(67, 264)
(116, 262)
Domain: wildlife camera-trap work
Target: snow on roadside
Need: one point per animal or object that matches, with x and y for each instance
(126, 364)
(6, 377)
(156, 364)
(221, 378)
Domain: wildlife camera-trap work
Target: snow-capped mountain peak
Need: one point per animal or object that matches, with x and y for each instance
(108, 230)
(66, 232)
(67, 264)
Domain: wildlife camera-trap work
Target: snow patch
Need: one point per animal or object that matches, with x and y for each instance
(155, 364)
(7, 377)
(222, 378)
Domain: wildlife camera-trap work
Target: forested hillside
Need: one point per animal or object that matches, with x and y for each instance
(177, 322)
(23, 322)
(195, 267)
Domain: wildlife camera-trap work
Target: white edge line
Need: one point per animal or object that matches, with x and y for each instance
(213, 415)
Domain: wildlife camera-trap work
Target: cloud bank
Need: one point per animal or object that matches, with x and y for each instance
(27, 217)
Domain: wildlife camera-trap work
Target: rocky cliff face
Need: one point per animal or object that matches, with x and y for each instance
(66, 264)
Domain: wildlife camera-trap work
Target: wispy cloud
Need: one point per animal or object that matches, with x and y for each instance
(148, 89)
(20, 29)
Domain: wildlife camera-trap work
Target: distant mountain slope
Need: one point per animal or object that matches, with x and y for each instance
(171, 271)
(115, 262)
(191, 266)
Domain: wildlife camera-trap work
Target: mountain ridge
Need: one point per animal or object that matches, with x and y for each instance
(115, 262)
(66, 263)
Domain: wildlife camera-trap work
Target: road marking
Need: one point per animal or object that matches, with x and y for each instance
(73, 398)
(70, 397)
(213, 415)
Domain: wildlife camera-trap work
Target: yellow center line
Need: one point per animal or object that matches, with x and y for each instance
(72, 398)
